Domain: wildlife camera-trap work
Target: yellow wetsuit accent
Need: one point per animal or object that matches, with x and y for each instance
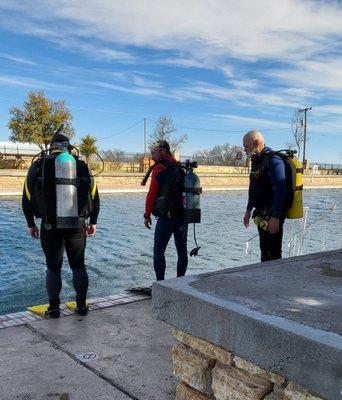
(93, 190)
(27, 192)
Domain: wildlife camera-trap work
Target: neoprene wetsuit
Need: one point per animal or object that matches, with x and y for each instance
(54, 240)
(166, 226)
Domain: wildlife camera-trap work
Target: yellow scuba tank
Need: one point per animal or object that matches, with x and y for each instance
(296, 210)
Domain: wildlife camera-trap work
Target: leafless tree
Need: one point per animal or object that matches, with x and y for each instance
(164, 130)
(221, 155)
(298, 130)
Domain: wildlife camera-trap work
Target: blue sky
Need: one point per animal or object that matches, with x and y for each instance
(218, 67)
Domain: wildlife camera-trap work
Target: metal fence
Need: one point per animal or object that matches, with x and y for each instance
(133, 160)
(17, 151)
(330, 168)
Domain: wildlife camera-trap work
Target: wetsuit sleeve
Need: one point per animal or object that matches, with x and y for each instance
(250, 203)
(276, 170)
(153, 190)
(26, 198)
(95, 198)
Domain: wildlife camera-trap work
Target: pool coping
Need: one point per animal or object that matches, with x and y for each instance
(23, 317)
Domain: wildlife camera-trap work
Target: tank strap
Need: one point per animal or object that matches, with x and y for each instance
(67, 181)
(193, 190)
(166, 163)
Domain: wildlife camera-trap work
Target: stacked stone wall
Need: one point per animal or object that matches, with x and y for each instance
(207, 372)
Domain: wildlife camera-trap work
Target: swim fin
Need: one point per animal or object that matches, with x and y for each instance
(71, 305)
(82, 311)
(45, 310)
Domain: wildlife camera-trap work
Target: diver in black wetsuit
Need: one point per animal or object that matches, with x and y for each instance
(267, 194)
(39, 200)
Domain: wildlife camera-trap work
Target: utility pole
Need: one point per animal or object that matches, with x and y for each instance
(145, 135)
(304, 110)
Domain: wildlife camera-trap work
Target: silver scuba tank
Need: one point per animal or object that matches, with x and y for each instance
(191, 196)
(66, 191)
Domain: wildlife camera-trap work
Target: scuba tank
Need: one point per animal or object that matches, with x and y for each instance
(294, 183)
(296, 210)
(60, 187)
(191, 194)
(66, 191)
(191, 200)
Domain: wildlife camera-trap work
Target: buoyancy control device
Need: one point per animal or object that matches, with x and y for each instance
(188, 186)
(294, 183)
(61, 187)
(293, 207)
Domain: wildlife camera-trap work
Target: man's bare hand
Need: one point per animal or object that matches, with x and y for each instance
(34, 232)
(246, 219)
(148, 222)
(273, 225)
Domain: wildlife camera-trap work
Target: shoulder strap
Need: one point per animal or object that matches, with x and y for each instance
(166, 163)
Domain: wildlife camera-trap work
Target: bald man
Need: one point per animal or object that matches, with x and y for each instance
(267, 193)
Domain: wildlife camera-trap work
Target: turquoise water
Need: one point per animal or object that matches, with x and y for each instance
(119, 256)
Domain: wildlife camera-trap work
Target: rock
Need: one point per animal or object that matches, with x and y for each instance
(277, 393)
(253, 369)
(192, 367)
(185, 392)
(296, 392)
(204, 347)
(231, 383)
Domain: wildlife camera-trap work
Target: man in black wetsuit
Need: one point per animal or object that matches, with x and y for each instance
(39, 200)
(267, 194)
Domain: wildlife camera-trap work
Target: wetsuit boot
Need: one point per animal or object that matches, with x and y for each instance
(53, 309)
(81, 307)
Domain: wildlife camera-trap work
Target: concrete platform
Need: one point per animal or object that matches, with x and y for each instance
(285, 316)
(118, 352)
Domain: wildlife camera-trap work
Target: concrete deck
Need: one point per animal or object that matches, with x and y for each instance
(44, 359)
(285, 316)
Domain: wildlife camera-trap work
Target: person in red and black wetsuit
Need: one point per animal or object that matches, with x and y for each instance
(166, 189)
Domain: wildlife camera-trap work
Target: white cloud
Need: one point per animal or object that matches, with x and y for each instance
(259, 122)
(16, 59)
(145, 91)
(322, 74)
(35, 84)
(327, 109)
(244, 95)
(292, 38)
(248, 29)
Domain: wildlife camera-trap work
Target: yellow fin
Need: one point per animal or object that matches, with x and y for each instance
(40, 310)
(71, 305)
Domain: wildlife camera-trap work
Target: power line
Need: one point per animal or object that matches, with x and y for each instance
(122, 131)
(222, 130)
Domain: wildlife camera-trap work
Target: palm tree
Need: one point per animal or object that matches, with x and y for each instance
(88, 146)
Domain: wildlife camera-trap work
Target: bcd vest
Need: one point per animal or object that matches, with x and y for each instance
(169, 199)
(42, 183)
(262, 189)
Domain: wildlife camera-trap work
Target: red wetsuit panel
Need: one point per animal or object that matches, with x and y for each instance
(154, 187)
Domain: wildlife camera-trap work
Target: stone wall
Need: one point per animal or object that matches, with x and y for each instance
(13, 181)
(207, 372)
